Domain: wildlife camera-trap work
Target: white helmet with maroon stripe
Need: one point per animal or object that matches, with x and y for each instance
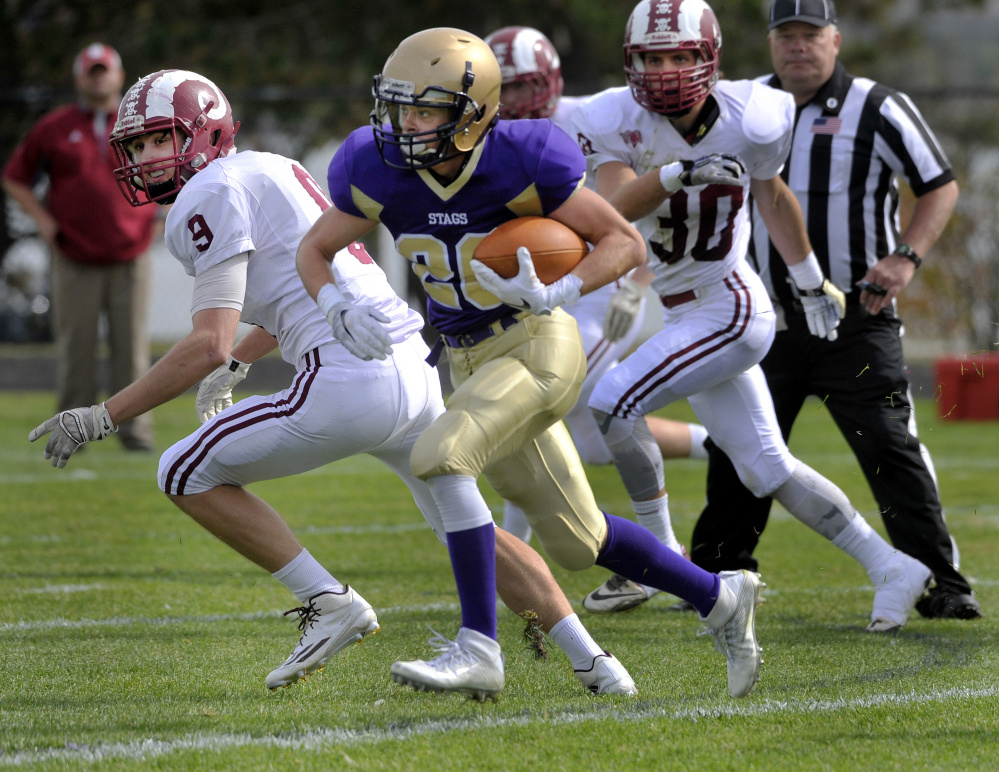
(527, 56)
(194, 112)
(671, 25)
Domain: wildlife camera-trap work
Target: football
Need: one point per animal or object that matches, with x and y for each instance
(555, 248)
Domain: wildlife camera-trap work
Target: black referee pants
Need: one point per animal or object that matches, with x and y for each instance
(863, 380)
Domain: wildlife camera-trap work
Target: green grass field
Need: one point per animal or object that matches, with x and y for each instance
(131, 639)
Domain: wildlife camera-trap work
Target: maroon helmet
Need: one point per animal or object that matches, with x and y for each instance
(527, 56)
(195, 113)
(658, 26)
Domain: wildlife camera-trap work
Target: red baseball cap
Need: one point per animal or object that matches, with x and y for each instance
(93, 55)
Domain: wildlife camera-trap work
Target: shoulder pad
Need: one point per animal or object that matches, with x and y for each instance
(772, 115)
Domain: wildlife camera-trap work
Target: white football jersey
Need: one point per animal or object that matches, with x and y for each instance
(562, 117)
(263, 204)
(699, 234)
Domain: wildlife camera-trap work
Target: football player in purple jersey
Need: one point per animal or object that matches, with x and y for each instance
(234, 224)
(440, 173)
(609, 318)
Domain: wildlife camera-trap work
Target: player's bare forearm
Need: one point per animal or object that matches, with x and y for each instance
(617, 246)
(783, 217)
(255, 344)
(333, 231)
(182, 367)
(632, 196)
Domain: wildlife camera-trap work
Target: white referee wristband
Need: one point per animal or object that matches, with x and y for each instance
(807, 274)
(329, 295)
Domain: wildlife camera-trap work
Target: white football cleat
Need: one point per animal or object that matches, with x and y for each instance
(896, 592)
(472, 664)
(606, 675)
(617, 594)
(330, 623)
(735, 633)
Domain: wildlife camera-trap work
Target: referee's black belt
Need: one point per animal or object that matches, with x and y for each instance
(475, 337)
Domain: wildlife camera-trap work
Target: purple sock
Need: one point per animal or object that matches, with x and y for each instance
(473, 560)
(634, 552)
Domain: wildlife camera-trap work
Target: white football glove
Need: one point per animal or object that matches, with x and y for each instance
(625, 305)
(823, 302)
(359, 328)
(215, 391)
(525, 290)
(72, 429)
(714, 169)
(824, 307)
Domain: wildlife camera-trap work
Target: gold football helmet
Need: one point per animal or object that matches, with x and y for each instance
(441, 67)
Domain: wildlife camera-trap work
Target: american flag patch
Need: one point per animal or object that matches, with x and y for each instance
(827, 125)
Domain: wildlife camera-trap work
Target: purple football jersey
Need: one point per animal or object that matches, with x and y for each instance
(522, 168)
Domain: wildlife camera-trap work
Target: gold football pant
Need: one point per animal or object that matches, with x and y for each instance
(504, 420)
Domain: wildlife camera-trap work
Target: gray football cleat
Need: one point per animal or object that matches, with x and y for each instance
(472, 664)
(606, 675)
(329, 623)
(896, 592)
(735, 632)
(615, 595)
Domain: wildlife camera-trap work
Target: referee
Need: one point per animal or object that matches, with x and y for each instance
(852, 139)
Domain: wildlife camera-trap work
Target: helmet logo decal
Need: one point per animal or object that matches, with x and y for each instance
(159, 99)
(396, 88)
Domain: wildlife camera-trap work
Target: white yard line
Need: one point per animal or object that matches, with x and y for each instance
(324, 739)
(68, 624)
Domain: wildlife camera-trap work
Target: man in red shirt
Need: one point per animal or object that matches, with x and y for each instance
(97, 239)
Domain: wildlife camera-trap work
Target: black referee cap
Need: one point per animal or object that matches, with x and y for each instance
(820, 13)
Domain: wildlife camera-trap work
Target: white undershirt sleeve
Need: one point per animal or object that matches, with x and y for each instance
(221, 286)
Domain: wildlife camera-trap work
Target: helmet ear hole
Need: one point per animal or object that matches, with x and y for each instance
(216, 135)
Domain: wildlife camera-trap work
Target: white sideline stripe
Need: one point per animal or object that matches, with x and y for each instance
(70, 624)
(320, 739)
(419, 525)
(60, 588)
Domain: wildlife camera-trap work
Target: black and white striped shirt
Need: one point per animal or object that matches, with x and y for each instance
(852, 141)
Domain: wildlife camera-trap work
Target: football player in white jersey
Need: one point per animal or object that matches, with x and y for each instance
(679, 151)
(609, 318)
(235, 225)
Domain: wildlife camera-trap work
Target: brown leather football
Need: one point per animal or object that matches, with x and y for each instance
(555, 248)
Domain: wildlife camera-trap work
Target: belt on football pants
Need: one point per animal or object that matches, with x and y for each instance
(474, 338)
(672, 301)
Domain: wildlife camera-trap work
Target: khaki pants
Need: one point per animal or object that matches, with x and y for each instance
(80, 294)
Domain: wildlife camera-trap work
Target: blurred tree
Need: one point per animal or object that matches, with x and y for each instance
(299, 72)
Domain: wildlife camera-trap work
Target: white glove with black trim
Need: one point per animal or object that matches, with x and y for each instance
(823, 302)
(625, 305)
(714, 169)
(215, 391)
(824, 307)
(525, 290)
(71, 429)
(359, 328)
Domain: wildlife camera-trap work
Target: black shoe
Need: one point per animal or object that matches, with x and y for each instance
(941, 604)
(136, 444)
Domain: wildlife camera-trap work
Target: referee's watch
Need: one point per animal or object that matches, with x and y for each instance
(904, 250)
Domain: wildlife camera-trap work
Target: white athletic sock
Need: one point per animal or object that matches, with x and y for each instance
(304, 576)
(574, 639)
(865, 545)
(654, 516)
(698, 434)
(459, 501)
(515, 522)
